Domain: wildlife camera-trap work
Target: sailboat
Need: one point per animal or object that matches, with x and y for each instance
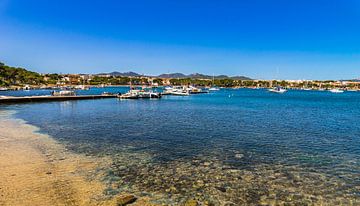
(214, 88)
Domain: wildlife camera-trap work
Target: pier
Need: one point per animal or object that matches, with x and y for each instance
(24, 99)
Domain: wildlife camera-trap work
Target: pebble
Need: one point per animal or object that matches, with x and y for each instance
(239, 156)
(221, 189)
(125, 200)
(191, 203)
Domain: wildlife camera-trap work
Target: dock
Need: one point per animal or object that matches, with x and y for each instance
(24, 99)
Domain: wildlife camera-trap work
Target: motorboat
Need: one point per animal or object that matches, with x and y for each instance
(140, 93)
(63, 93)
(278, 90)
(194, 90)
(335, 90)
(214, 89)
(81, 87)
(180, 91)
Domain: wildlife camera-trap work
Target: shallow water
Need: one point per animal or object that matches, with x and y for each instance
(232, 146)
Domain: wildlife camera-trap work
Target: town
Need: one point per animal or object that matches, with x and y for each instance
(12, 78)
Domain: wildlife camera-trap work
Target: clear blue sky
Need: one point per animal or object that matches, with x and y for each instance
(304, 39)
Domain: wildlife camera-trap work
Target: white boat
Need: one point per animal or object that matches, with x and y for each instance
(180, 93)
(3, 89)
(63, 93)
(81, 87)
(214, 89)
(194, 90)
(177, 90)
(336, 90)
(140, 93)
(278, 90)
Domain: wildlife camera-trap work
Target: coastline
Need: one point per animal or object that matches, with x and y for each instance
(37, 170)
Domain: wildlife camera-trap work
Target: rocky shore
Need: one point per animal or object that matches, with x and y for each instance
(36, 170)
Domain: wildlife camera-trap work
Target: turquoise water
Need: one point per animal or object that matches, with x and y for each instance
(239, 146)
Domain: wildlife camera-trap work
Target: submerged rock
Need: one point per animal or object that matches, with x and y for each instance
(221, 189)
(125, 200)
(191, 202)
(239, 156)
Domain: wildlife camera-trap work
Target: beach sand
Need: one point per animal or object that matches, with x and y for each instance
(36, 170)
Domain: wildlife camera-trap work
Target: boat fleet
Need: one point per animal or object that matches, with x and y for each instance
(281, 90)
(149, 93)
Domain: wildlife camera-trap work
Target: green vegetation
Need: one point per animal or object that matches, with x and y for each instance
(18, 76)
(13, 76)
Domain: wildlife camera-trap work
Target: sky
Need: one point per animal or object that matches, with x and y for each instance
(262, 39)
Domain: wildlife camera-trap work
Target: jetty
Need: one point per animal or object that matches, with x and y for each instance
(24, 99)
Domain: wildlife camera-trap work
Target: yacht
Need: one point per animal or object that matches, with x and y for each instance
(3, 89)
(336, 90)
(140, 93)
(128, 95)
(81, 87)
(194, 90)
(177, 90)
(278, 90)
(63, 93)
(214, 89)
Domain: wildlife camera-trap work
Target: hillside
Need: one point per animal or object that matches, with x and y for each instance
(18, 76)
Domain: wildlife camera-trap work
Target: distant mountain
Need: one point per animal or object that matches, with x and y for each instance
(177, 75)
(122, 74)
(172, 75)
(201, 76)
(241, 78)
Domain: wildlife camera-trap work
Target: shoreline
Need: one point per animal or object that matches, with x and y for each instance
(37, 170)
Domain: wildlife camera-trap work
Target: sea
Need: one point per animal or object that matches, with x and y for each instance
(227, 147)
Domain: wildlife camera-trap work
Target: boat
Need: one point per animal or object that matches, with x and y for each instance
(177, 90)
(26, 87)
(180, 93)
(278, 90)
(63, 93)
(3, 89)
(109, 93)
(81, 87)
(214, 89)
(128, 95)
(136, 93)
(336, 90)
(194, 90)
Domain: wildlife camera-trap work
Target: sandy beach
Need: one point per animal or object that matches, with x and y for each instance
(36, 170)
